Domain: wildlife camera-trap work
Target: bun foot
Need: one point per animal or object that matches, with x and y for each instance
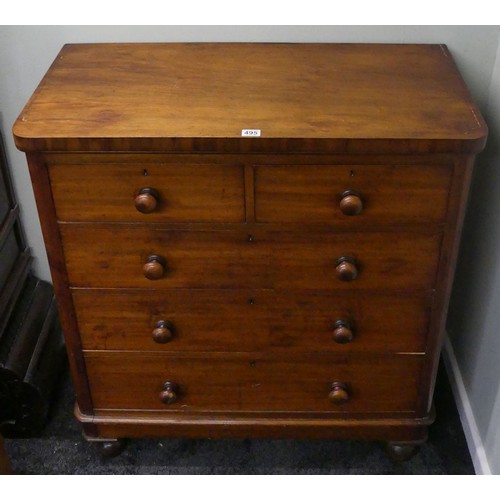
(111, 448)
(399, 452)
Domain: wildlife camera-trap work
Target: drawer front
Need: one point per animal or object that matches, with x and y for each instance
(182, 193)
(321, 322)
(382, 261)
(114, 256)
(199, 320)
(235, 320)
(245, 383)
(390, 195)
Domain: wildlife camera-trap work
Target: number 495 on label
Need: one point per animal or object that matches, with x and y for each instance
(246, 132)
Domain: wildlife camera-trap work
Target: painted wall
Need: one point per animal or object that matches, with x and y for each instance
(27, 52)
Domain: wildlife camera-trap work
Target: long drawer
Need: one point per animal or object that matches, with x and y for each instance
(246, 382)
(180, 193)
(385, 194)
(100, 255)
(249, 320)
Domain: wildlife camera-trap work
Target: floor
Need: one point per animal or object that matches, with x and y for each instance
(61, 450)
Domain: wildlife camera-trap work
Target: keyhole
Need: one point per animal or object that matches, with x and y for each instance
(145, 172)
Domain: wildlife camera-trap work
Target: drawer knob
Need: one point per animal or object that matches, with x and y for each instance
(154, 267)
(338, 393)
(169, 393)
(351, 203)
(342, 332)
(147, 200)
(346, 269)
(163, 332)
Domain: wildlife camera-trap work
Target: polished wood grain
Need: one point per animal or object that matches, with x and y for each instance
(384, 261)
(248, 332)
(204, 320)
(52, 238)
(459, 192)
(253, 160)
(113, 256)
(303, 97)
(252, 382)
(385, 194)
(185, 193)
(230, 320)
(399, 426)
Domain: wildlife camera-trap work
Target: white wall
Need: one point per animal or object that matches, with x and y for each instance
(26, 53)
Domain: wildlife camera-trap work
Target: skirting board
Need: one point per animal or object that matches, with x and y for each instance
(474, 441)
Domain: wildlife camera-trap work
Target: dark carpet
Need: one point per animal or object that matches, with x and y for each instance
(62, 450)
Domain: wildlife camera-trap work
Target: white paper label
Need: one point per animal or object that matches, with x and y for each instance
(248, 132)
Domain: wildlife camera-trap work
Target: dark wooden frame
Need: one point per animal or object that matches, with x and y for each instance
(101, 133)
(130, 424)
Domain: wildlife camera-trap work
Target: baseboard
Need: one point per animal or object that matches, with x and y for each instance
(471, 431)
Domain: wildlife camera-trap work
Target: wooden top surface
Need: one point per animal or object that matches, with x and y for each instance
(331, 98)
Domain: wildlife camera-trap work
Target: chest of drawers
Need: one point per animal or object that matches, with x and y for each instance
(252, 240)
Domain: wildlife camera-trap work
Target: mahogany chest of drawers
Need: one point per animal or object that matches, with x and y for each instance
(252, 240)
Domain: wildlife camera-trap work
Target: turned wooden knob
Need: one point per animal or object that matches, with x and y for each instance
(169, 393)
(351, 203)
(338, 393)
(342, 332)
(346, 269)
(147, 200)
(163, 332)
(154, 267)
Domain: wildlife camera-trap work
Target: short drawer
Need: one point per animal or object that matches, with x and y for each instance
(148, 192)
(245, 382)
(116, 256)
(238, 320)
(352, 195)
